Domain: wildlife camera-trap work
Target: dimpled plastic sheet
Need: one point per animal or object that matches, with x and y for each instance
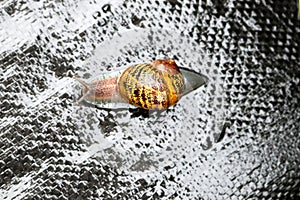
(237, 137)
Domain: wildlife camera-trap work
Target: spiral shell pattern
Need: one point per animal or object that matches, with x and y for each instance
(156, 85)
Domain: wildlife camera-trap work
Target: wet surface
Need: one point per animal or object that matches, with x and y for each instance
(234, 138)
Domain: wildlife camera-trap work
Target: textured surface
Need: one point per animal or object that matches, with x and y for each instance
(235, 138)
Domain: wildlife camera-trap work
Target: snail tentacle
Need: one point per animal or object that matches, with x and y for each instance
(86, 86)
(83, 83)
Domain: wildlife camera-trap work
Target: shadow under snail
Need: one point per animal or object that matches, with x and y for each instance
(151, 86)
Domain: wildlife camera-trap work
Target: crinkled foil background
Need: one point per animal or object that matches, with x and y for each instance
(235, 138)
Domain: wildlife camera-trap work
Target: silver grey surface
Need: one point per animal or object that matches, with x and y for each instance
(235, 138)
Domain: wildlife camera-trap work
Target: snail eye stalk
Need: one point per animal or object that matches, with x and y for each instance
(86, 89)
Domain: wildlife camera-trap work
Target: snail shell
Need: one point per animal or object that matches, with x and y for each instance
(151, 86)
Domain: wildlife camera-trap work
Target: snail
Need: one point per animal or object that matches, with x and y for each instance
(151, 86)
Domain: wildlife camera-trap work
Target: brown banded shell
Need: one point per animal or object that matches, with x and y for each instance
(151, 86)
(156, 85)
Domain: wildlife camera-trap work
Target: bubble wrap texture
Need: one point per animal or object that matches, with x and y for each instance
(235, 138)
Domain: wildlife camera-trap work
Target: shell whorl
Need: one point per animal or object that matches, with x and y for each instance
(155, 85)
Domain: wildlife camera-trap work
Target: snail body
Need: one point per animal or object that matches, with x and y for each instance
(151, 86)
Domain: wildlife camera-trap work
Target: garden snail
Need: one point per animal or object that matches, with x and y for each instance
(151, 86)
